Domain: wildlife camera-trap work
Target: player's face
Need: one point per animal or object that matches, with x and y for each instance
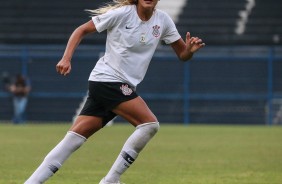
(148, 4)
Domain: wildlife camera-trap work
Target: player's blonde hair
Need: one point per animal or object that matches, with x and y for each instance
(111, 5)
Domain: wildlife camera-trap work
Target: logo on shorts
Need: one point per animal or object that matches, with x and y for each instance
(126, 90)
(156, 31)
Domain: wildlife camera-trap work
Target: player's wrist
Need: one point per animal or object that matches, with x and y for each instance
(66, 58)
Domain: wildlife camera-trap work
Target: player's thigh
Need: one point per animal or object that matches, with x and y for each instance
(87, 125)
(135, 111)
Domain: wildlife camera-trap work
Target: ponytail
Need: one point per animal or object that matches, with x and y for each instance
(110, 6)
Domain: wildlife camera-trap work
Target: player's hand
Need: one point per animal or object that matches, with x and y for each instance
(63, 67)
(193, 44)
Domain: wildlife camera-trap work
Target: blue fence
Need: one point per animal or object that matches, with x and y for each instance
(235, 85)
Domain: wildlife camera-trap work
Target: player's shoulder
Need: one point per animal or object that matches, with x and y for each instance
(163, 17)
(162, 13)
(124, 10)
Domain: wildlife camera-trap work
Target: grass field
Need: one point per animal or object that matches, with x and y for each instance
(177, 155)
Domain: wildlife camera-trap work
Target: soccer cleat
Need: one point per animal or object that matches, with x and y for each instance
(104, 182)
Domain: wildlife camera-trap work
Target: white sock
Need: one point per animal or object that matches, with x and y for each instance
(56, 157)
(132, 147)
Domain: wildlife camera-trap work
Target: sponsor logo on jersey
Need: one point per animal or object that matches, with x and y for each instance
(128, 27)
(126, 90)
(156, 31)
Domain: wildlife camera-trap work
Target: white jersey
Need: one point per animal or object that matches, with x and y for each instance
(130, 43)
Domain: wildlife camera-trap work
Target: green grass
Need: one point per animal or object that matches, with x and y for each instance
(177, 155)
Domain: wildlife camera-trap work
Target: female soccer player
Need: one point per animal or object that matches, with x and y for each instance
(134, 30)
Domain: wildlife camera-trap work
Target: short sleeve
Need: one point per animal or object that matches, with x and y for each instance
(107, 20)
(170, 33)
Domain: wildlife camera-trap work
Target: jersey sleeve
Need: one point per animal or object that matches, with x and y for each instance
(106, 20)
(170, 33)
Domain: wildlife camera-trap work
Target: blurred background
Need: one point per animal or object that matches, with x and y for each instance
(235, 79)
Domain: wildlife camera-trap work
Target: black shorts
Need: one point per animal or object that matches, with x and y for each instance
(104, 96)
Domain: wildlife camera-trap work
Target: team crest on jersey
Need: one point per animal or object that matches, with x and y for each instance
(126, 90)
(156, 31)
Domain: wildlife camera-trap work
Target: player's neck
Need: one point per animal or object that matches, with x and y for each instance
(144, 14)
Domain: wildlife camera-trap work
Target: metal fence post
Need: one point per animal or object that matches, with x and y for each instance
(270, 86)
(186, 85)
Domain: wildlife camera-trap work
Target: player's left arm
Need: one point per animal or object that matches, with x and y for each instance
(185, 50)
(64, 65)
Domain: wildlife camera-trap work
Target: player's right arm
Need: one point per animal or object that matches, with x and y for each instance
(64, 65)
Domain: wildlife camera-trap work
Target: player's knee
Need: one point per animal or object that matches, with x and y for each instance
(155, 128)
(152, 128)
(144, 133)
